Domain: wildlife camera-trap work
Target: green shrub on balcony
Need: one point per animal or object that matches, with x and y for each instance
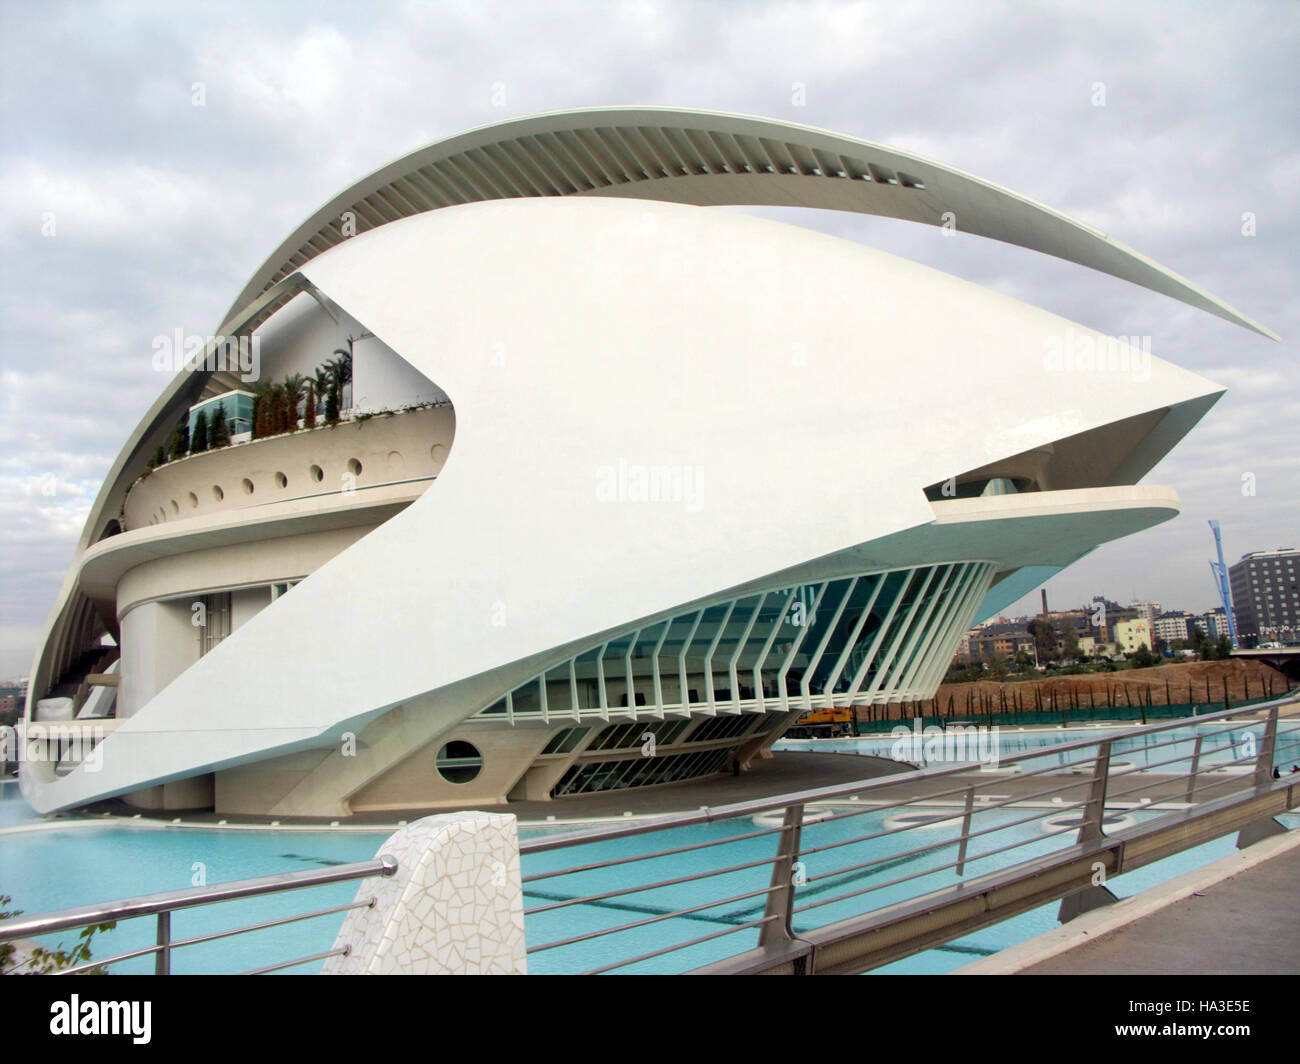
(219, 433)
(199, 441)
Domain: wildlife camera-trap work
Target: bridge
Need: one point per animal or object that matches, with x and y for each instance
(1285, 659)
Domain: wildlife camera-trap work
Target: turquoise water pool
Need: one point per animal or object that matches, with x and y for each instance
(90, 861)
(1220, 742)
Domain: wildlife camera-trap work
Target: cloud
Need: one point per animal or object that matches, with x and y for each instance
(163, 208)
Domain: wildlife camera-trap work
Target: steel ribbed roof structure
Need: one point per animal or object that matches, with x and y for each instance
(709, 159)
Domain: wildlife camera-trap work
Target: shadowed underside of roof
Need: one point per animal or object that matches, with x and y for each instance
(709, 159)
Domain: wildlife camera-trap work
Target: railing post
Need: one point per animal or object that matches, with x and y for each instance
(1093, 896)
(1090, 829)
(1196, 766)
(1263, 828)
(780, 899)
(965, 829)
(1264, 759)
(162, 960)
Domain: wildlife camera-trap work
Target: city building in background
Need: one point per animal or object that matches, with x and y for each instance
(1131, 635)
(1148, 611)
(1266, 596)
(1174, 626)
(1214, 623)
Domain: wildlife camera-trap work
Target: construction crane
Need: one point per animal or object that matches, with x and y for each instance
(1220, 572)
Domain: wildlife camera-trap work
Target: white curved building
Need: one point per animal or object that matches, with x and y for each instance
(704, 472)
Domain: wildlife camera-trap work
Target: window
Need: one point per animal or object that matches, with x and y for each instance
(459, 761)
(215, 624)
(564, 742)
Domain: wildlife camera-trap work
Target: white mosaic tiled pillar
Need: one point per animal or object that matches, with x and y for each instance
(454, 906)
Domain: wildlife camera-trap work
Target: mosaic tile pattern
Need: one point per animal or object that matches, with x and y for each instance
(454, 907)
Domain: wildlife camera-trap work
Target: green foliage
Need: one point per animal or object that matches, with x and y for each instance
(277, 408)
(261, 410)
(292, 393)
(1069, 642)
(1142, 658)
(332, 405)
(180, 444)
(42, 961)
(219, 433)
(964, 673)
(199, 441)
(159, 457)
(1208, 649)
(1045, 639)
(321, 388)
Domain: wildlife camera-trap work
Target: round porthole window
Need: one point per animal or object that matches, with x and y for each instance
(354, 467)
(248, 486)
(317, 474)
(459, 761)
(217, 493)
(194, 500)
(281, 480)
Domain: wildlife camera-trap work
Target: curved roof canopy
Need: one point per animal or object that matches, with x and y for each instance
(706, 158)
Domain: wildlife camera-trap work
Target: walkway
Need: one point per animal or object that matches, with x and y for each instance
(1237, 916)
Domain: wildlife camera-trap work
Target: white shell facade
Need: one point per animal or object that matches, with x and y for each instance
(695, 473)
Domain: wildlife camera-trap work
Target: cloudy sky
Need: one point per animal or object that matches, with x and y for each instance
(127, 211)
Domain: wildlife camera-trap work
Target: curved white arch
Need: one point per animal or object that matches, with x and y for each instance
(710, 158)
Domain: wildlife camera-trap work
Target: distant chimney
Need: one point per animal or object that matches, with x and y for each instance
(1044, 590)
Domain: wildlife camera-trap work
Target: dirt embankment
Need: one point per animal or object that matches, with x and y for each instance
(1197, 682)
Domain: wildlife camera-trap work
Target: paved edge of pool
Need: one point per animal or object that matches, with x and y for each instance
(1093, 925)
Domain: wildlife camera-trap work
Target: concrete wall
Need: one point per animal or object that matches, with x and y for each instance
(192, 793)
(302, 336)
(246, 604)
(255, 789)
(383, 380)
(237, 565)
(416, 783)
(159, 642)
(398, 447)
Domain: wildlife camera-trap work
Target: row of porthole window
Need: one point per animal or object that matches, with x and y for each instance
(218, 493)
(437, 452)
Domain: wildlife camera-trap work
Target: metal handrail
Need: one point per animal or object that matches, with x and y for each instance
(916, 851)
(712, 814)
(779, 947)
(163, 904)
